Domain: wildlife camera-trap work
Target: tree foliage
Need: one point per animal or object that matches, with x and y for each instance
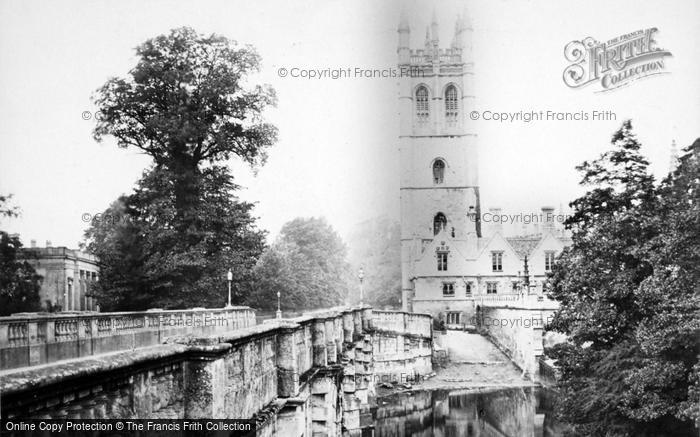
(147, 261)
(629, 294)
(187, 105)
(306, 264)
(376, 247)
(19, 282)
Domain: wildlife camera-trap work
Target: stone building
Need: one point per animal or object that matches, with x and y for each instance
(448, 261)
(68, 276)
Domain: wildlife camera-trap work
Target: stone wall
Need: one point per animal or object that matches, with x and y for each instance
(402, 345)
(312, 375)
(146, 383)
(517, 331)
(29, 339)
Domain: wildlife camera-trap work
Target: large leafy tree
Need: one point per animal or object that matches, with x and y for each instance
(629, 297)
(19, 282)
(187, 105)
(307, 264)
(147, 263)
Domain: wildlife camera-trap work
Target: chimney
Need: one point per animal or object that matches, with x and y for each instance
(547, 219)
(495, 220)
(32, 244)
(48, 243)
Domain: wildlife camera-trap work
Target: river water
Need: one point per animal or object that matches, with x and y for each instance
(512, 412)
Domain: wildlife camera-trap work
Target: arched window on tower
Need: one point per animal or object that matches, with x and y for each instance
(438, 171)
(422, 106)
(451, 104)
(439, 223)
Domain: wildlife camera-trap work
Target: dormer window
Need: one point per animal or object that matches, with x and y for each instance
(497, 261)
(442, 261)
(548, 261)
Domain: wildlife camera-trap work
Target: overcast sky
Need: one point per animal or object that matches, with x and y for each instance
(337, 153)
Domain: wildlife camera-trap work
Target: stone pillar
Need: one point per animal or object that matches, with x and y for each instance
(348, 327)
(292, 418)
(318, 340)
(330, 340)
(357, 322)
(287, 369)
(205, 385)
(339, 335)
(324, 406)
(367, 324)
(537, 349)
(35, 343)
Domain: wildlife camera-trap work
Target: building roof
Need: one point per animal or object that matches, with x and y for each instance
(61, 252)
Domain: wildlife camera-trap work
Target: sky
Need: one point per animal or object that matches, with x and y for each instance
(337, 153)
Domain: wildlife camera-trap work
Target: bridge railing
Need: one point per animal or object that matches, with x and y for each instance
(518, 300)
(28, 339)
(402, 322)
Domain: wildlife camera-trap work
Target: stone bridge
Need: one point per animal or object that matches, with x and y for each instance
(311, 375)
(515, 324)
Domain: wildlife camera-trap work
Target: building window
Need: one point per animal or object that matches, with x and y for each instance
(438, 171)
(453, 318)
(451, 103)
(515, 286)
(439, 223)
(442, 261)
(468, 288)
(448, 289)
(422, 106)
(548, 261)
(491, 287)
(497, 261)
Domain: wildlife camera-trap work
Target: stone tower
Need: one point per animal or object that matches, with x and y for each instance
(437, 143)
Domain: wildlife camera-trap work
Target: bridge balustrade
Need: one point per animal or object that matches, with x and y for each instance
(29, 339)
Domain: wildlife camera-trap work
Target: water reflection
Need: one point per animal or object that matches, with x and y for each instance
(512, 412)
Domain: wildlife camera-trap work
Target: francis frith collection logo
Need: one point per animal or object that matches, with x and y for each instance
(616, 62)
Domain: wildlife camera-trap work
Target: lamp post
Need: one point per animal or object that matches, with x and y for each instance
(229, 276)
(361, 276)
(279, 309)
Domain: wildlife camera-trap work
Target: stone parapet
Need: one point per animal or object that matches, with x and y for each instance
(29, 339)
(297, 376)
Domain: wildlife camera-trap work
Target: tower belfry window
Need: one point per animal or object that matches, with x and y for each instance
(422, 105)
(438, 171)
(451, 103)
(439, 223)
